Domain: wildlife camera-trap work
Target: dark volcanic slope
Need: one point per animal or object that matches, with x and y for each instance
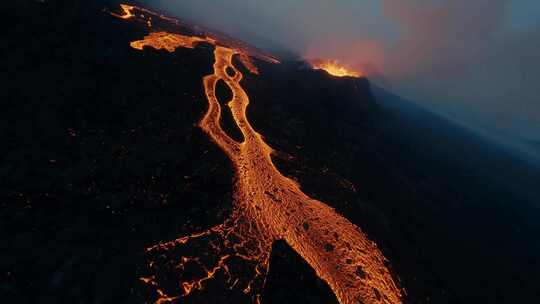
(456, 215)
(100, 155)
(101, 158)
(292, 280)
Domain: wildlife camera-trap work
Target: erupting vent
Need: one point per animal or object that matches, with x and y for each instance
(334, 67)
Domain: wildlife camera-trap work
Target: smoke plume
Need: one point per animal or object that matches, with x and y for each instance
(474, 61)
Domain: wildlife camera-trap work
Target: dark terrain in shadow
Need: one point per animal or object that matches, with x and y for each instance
(101, 157)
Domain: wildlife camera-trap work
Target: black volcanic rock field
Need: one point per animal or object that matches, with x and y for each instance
(101, 157)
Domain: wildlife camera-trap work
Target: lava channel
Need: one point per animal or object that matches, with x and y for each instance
(267, 207)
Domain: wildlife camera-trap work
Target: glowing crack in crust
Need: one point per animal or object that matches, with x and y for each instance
(267, 207)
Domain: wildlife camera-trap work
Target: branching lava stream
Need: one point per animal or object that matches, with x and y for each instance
(267, 207)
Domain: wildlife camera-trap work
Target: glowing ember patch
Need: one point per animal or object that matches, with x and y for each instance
(335, 68)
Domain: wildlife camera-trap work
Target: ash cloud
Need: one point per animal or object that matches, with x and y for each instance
(474, 61)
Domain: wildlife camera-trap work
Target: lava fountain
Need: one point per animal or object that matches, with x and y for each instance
(334, 68)
(267, 207)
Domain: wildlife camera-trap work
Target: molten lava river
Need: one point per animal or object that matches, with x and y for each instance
(267, 207)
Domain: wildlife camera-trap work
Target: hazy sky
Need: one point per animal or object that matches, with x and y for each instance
(474, 60)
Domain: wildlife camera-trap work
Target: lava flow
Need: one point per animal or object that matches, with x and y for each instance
(127, 11)
(267, 207)
(334, 67)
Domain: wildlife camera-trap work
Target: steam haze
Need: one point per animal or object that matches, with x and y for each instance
(474, 61)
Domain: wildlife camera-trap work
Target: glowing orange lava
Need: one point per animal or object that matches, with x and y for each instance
(267, 207)
(167, 41)
(127, 12)
(334, 67)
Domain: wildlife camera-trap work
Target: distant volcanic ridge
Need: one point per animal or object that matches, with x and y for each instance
(154, 20)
